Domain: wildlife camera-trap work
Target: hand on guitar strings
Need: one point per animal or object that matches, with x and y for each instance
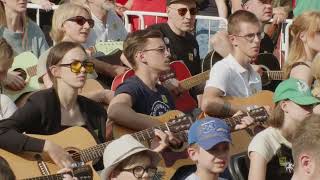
(14, 81)
(58, 155)
(164, 139)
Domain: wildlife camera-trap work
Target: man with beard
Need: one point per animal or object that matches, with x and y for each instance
(107, 25)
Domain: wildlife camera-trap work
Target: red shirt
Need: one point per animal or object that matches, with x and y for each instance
(150, 6)
(123, 2)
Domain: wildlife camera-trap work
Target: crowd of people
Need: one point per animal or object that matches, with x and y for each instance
(286, 147)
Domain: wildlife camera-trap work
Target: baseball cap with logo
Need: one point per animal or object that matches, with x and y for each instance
(120, 149)
(209, 132)
(295, 90)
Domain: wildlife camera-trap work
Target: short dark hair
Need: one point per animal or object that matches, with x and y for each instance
(136, 41)
(240, 16)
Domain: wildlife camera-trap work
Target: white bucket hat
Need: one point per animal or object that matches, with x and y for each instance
(120, 149)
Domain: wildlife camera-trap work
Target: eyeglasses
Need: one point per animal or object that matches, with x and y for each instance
(138, 171)
(250, 37)
(80, 20)
(77, 65)
(162, 49)
(183, 11)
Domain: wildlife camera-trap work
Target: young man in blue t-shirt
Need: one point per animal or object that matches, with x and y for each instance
(141, 96)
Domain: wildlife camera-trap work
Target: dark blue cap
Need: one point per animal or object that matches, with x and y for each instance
(209, 132)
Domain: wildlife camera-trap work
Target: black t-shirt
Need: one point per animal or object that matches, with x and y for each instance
(266, 45)
(281, 164)
(145, 100)
(184, 48)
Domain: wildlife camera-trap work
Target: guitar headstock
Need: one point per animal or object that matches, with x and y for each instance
(181, 123)
(259, 114)
(83, 172)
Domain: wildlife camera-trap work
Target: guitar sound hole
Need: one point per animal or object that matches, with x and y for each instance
(22, 72)
(74, 154)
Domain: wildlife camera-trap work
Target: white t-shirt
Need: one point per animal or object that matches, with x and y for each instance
(7, 107)
(267, 142)
(233, 79)
(193, 176)
(113, 30)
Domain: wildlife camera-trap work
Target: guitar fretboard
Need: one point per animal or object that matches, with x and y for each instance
(195, 80)
(32, 71)
(96, 151)
(48, 177)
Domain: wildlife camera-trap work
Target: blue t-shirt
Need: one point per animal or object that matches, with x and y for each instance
(145, 100)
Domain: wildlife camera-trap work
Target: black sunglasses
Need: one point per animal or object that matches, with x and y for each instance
(183, 11)
(80, 20)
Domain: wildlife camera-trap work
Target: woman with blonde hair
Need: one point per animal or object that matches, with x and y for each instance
(71, 22)
(305, 38)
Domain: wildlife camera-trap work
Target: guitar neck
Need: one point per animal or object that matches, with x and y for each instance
(32, 70)
(49, 177)
(96, 151)
(274, 75)
(233, 121)
(195, 80)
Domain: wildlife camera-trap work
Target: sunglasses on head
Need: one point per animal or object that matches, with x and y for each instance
(80, 20)
(183, 11)
(77, 65)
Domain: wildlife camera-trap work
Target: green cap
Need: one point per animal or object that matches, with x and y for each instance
(295, 90)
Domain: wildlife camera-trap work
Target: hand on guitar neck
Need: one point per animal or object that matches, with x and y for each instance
(164, 139)
(174, 86)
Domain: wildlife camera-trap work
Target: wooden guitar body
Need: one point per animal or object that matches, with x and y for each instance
(25, 164)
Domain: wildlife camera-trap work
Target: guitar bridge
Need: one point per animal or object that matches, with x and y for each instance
(44, 170)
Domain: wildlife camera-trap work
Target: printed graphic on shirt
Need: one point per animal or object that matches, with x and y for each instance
(158, 108)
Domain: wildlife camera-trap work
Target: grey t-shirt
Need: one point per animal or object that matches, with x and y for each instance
(35, 41)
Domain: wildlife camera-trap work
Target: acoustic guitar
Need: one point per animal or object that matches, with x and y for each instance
(173, 159)
(180, 71)
(26, 64)
(25, 164)
(82, 173)
(82, 149)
